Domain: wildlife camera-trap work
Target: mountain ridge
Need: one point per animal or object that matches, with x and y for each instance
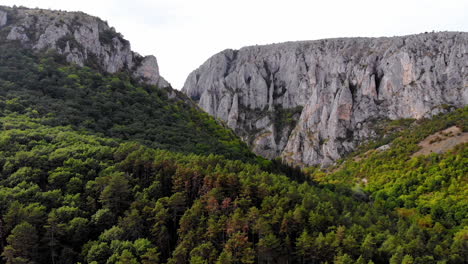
(342, 84)
(73, 69)
(81, 38)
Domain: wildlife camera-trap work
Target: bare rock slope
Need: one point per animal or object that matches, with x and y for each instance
(312, 102)
(81, 38)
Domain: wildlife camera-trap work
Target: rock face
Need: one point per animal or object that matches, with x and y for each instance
(149, 71)
(81, 38)
(312, 102)
(3, 18)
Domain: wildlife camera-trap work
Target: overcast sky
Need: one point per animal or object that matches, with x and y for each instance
(182, 34)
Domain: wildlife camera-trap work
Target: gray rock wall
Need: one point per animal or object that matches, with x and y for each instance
(3, 18)
(312, 102)
(80, 38)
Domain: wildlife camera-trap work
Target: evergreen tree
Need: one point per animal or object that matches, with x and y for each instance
(22, 244)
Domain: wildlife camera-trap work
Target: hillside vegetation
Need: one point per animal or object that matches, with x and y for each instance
(96, 168)
(44, 85)
(70, 196)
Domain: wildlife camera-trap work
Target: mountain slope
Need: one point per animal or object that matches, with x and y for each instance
(69, 196)
(313, 102)
(81, 38)
(99, 85)
(115, 105)
(99, 167)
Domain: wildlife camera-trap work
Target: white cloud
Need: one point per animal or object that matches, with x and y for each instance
(183, 33)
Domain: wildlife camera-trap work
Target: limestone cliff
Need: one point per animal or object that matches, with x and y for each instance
(312, 102)
(81, 38)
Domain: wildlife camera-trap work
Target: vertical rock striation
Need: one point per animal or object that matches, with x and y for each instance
(81, 38)
(312, 102)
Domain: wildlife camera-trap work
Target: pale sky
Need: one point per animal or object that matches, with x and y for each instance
(183, 34)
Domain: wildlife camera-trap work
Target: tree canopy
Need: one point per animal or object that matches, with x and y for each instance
(96, 168)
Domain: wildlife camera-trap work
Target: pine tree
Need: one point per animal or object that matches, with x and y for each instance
(115, 195)
(407, 259)
(127, 258)
(54, 229)
(305, 246)
(22, 244)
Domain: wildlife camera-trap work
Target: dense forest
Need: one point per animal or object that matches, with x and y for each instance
(98, 168)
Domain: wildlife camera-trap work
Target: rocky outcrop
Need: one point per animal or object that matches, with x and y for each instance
(312, 102)
(3, 18)
(149, 71)
(81, 38)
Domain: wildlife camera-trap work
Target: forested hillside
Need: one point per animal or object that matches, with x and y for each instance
(115, 105)
(69, 196)
(100, 168)
(81, 182)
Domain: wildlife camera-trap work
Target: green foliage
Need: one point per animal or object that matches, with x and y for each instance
(411, 132)
(107, 36)
(427, 192)
(97, 168)
(22, 244)
(285, 118)
(144, 205)
(114, 105)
